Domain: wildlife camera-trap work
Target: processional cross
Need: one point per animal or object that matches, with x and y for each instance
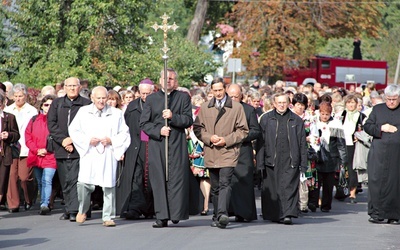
(165, 27)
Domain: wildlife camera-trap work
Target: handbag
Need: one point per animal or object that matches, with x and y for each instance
(312, 154)
(15, 150)
(50, 147)
(342, 189)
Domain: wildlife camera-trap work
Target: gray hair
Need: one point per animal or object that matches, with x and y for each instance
(254, 95)
(141, 85)
(392, 90)
(20, 87)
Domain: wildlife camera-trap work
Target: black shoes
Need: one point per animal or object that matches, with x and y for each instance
(239, 218)
(72, 217)
(204, 212)
(175, 221)
(381, 221)
(375, 220)
(44, 210)
(304, 211)
(324, 210)
(160, 223)
(223, 221)
(13, 210)
(27, 206)
(3, 207)
(64, 216)
(286, 221)
(312, 207)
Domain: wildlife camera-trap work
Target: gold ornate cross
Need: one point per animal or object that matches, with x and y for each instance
(165, 27)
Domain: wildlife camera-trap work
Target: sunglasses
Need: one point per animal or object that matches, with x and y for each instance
(46, 104)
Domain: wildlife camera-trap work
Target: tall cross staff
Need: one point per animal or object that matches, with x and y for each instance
(165, 27)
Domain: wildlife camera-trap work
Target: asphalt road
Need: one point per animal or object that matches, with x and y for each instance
(345, 227)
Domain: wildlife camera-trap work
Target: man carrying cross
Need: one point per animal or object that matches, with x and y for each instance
(171, 196)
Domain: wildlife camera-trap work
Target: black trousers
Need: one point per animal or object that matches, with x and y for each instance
(327, 181)
(68, 170)
(353, 179)
(220, 179)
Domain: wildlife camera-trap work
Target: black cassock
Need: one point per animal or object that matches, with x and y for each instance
(133, 191)
(171, 198)
(243, 202)
(384, 164)
(282, 150)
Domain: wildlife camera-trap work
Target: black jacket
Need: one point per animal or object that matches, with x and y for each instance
(61, 113)
(266, 145)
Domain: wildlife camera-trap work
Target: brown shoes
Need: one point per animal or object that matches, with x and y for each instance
(109, 223)
(80, 218)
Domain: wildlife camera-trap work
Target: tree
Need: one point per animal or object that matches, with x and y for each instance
(107, 42)
(276, 32)
(197, 23)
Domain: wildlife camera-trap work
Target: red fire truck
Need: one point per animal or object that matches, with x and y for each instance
(339, 72)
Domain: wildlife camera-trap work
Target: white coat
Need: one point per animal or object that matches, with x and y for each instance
(98, 164)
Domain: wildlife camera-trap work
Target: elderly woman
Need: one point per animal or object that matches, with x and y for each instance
(9, 134)
(300, 102)
(352, 122)
(39, 158)
(23, 112)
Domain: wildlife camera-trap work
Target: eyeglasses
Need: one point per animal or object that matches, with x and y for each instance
(46, 104)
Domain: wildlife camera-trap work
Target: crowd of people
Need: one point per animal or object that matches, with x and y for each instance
(163, 151)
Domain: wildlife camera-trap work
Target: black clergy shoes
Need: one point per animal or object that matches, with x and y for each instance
(160, 223)
(375, 220)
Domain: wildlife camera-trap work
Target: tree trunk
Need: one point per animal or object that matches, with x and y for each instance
(198, 21)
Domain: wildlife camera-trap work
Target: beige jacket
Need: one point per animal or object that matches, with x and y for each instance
(229, 123)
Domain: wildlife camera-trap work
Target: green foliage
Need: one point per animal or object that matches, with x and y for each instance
(106, 42)
(188, 60)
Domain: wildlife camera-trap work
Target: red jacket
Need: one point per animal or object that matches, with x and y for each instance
(35, 138)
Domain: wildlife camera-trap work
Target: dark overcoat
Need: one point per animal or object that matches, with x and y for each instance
(243, 199)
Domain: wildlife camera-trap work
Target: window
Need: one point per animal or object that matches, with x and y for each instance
(325, 64)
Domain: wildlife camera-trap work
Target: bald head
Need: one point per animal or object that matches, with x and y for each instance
(72, 86)
(235, 92)
(99, 97)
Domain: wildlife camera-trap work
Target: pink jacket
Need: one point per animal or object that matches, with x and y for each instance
(35, 138)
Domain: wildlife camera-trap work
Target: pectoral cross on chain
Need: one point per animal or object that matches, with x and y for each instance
(165, 27)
